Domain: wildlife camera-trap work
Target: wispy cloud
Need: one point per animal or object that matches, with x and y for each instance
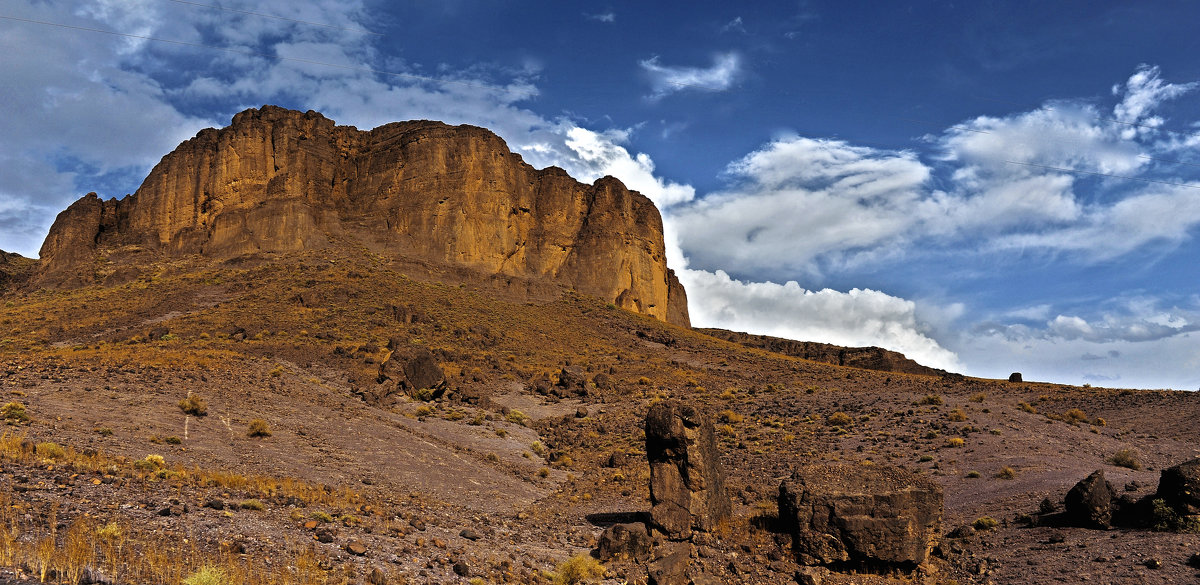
(668, 79)
(734, 25)
(608, 16)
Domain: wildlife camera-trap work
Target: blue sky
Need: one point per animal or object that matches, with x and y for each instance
(987, 187)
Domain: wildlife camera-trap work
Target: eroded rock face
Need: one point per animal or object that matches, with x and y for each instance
(625, 541)
(1090, 502)
(687, 482)
(860, 514)
(279, 180)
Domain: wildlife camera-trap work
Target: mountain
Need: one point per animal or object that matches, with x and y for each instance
(14, 269)
(279, 180)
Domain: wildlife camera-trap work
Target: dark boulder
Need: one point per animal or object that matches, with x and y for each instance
(1179, 487)
(1015, 377)
(860, 514)
(687, 483)
(1090, 503)
(625, 541)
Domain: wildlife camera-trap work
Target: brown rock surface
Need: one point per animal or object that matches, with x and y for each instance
(860, 514)
(279, 180)
(687, 482)
(14, 268)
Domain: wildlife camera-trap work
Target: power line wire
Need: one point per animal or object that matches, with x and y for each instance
(262, 15)
(256, 54)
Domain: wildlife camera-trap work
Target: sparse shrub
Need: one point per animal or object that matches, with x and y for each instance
(194, 405)
(974, 475)
(957, 415)
(1100, 422)
(1006, 472)
(931, 400)
(277, 371)
(1075, 416)
(544, 472)
(730, 417)
(454, 415)
(643, 381)
(150, 463)
(252, 505)
(726, 430)
(517, 417)
(14, 412)
(423, 411)
(978, 397)
(539, 448)
(579, 569)
(955, 442)
(501, 433)
(985, 523)
(173, 440)
(50, 451)
(1027, 407)
(1127, 458)
(1164, 518)
(477, 421)
(258, 428)
(320, 516)
(207, 576)
(839, 419)
(104, 431)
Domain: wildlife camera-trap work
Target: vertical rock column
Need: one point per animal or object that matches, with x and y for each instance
(687, 483)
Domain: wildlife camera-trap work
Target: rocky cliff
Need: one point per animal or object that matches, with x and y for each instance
(14, 268)
(279, 180)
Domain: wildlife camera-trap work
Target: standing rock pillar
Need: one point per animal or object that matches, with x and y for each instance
(687, 483)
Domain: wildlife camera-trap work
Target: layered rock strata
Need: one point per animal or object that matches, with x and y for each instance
(279, 180)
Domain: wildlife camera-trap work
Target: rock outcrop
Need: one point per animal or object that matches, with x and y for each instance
(1090, 503)
(15, 268)
(867, 358)
(279, 180)
(1179, 488)
(860, 514)
(687, 482)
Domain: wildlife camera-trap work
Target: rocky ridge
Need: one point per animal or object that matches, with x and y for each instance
(278, 181)
(867, 358)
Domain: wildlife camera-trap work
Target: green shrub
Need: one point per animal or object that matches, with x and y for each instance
(1006, 472)
(579, 569)
(1127, 458)
(1164, 518)
(320, 516)
(14, 412)
(150, 463)
(955, 442)
(50, 451)
(252, 505)
(194, 405)
(258, 428)
(957, 415)
(839, 419)
(730, 417)
(173, 440)
(207, 576)
(985, 523)
(517, 417)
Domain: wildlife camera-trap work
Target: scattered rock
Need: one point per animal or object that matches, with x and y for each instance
(356, 548)
(616, 459)
(625, 541)
(860, 514)
(672, 567)
(1090, 503)
(376, 577)
(462, 569)
(469, 534)
(963, 531)
(1153, 563)
(687, 483)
